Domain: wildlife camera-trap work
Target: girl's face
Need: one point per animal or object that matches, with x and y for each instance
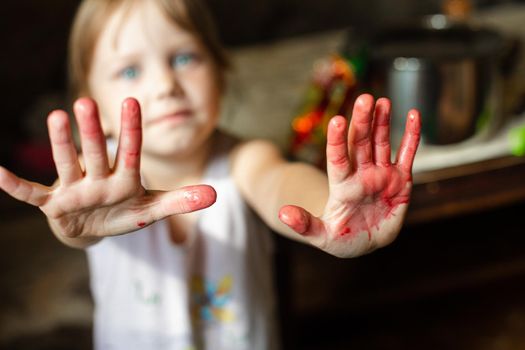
(142, 54)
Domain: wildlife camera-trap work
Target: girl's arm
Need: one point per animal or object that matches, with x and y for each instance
(358, 205)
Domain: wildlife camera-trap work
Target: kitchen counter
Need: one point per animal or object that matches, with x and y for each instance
(467, 189)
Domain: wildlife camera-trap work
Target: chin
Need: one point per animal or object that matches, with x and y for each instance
(179, 141)
(171, 147)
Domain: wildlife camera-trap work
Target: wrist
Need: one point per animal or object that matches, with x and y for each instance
(73, 242)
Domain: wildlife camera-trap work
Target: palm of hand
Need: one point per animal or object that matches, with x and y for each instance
(365, 211)
(98, 208)
(368, 194)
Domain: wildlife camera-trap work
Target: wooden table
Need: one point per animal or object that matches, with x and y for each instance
(466, 189)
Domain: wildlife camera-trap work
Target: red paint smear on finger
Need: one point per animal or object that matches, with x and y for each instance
(131, 159)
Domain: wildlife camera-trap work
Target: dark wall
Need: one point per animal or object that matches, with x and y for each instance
(33, 34)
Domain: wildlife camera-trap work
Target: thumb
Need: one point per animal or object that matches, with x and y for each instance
(183, 200)
(158, 205)
(301, 221)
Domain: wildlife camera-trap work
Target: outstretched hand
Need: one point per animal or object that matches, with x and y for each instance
(101, 200)
(368, 194)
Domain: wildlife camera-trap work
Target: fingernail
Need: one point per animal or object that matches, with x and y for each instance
(83, 105)
(363, 99)
(337, 122)
(56, 120)
(192, 196)
(130, 104)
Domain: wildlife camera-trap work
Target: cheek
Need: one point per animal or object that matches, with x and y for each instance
(109, 113)
(109, 100)
(203, 90)
(110, 121)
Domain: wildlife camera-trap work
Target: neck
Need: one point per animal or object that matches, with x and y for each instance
(169, 173)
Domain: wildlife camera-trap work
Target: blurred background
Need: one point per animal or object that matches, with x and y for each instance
(454, 279)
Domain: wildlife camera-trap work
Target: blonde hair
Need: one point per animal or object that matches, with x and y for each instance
(92, 15)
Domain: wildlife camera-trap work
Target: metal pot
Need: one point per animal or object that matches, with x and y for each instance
(450, 71)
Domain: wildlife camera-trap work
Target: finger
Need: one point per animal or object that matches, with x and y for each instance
(64, 151)
(301, 221)
(337, 161)
(360, 129)
(409, 142)
(23, 190)
(161, 204)
(381, 132)
(130, 140)
(183, 200)
(92, 138)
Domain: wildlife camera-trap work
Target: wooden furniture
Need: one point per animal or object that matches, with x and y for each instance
(466, 189)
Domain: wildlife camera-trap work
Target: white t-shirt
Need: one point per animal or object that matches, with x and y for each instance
(213, 292)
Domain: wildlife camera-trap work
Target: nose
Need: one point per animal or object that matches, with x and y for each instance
(165, 83)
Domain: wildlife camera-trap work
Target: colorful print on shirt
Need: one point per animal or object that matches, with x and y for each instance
(210, 300)
(145, 296)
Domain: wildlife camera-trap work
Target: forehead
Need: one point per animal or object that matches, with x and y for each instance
(141, 25)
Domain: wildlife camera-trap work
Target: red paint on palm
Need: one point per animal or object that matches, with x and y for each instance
(345, 232)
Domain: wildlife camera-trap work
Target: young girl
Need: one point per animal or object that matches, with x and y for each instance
(200, 280)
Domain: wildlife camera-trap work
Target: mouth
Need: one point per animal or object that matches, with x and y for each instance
(172, 118)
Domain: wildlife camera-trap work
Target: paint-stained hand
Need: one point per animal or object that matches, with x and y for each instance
(100, 200)
(368, 194)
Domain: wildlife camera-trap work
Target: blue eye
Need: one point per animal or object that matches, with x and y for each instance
(129, 73)
(181, 60)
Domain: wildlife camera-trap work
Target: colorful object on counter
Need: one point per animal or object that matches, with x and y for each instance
(331, 92)
(517, 141)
